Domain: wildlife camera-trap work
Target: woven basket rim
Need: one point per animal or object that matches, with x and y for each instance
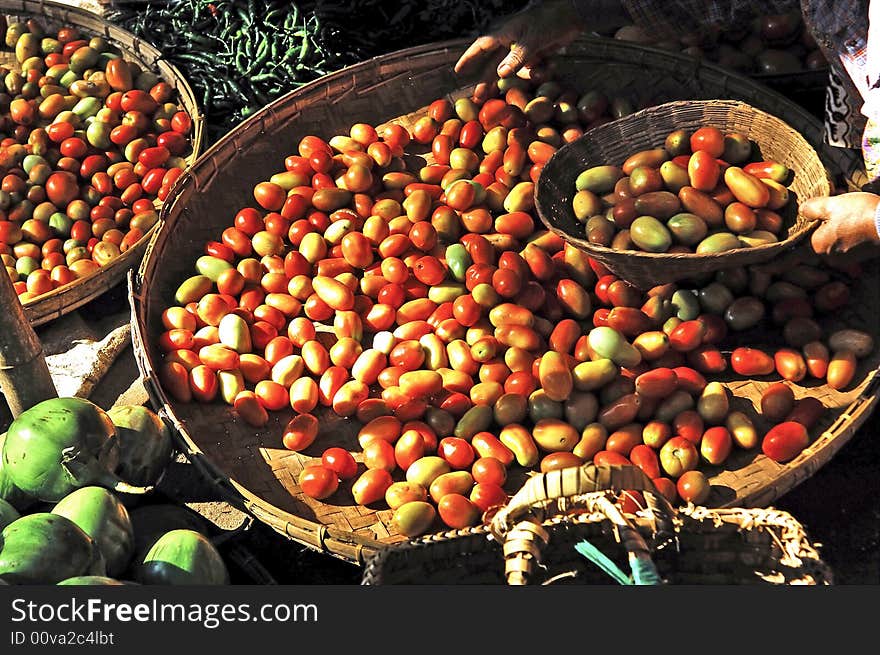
(64, 299)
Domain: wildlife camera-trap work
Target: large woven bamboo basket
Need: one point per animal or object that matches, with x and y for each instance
(613, 142)
(67, 298)
(249, 466)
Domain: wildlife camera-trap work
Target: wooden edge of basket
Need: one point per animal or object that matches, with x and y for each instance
(343, 545)
(820, 450)
(798, 550)
(64, 299)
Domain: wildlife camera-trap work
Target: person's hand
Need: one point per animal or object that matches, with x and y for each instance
(847, 221)
(520, 43)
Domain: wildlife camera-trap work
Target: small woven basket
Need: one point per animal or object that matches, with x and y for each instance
(564, 527)
(52, 15)
(613, 142)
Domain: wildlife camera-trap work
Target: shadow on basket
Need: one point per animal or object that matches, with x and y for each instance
(682, 190)
(563, 527)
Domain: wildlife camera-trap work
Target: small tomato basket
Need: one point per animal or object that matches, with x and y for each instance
(68, 297)
(613, 142)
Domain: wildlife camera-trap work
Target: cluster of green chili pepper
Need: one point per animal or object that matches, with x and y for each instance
(239, 55)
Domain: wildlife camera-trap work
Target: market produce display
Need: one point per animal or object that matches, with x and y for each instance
(90, 142)
(64, 511)
(240, 56)
(397, 277)
(701, 192)
(774, 44)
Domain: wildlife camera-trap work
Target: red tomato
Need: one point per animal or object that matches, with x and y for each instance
(429, 270)
(300, 432)
(154, 157)
(486, 496)
(752, 361)
(693, 486)
(506, 282)
(458, 512)
(710, 139)
(61, 187)
(60, 130)
(269, 196)
(408, 355)
(689, 424)
(785, 441)
(489, 470)
(181, 122)
(318, 481)
(74, 147)
(703, 171)
(458, 452)
(341, 461)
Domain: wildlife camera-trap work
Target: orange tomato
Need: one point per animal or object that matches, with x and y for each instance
(271, 394)
(371, 486)
(249, 407)
(457, 511)
(300, 432)
(703, 171)
(204, 383)
(174, 377)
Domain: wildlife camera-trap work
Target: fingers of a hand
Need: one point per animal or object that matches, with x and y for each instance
(519, 55)
(824, 239)
(817, 208)
(476, 50)
(482, 90)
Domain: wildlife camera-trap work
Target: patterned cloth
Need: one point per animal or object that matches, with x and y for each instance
(840, 28)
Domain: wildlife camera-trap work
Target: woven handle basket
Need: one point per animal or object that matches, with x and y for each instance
(537, 538)
(613, 142)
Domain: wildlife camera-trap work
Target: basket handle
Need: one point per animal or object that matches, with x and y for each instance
(518, 525)
(546, 494)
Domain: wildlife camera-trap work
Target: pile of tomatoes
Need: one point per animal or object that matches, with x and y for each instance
(428, 305)
(701, 191)
(88, 143)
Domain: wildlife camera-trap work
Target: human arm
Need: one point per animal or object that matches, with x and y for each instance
(853, 218)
